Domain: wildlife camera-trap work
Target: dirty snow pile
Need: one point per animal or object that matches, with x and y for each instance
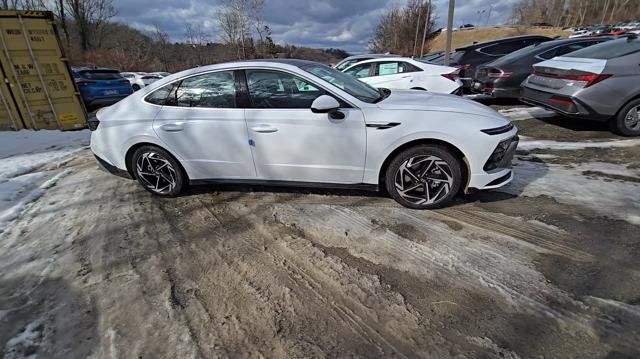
(28, 165)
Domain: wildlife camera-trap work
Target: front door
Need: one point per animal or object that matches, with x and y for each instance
(202, 124)
(291, 143)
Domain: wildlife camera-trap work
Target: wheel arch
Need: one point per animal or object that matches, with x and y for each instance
(128, 158)
(465, 168)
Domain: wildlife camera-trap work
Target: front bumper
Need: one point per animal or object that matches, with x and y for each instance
(497, 169)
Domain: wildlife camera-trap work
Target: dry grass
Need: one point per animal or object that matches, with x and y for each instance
(466, 37)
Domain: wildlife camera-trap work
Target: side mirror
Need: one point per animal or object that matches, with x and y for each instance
(324, 104)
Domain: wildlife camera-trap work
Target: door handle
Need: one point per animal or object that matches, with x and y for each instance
(264, 129)
(172, 127)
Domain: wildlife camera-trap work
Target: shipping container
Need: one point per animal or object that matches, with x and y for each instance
(37, 91)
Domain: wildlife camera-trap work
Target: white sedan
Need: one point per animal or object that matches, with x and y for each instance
(405, 73)
(300, 123)
(139, 80)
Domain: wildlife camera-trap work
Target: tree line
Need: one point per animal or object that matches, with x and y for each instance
(91, 37)
(575, 13)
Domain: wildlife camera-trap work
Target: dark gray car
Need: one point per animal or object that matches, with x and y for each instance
(600, 82)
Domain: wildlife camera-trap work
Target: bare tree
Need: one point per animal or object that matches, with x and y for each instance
(237, 20)
(396, 30)
(89, 17)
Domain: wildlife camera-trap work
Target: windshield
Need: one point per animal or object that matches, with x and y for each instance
(347, 83)
(516, 54)
(608, 49)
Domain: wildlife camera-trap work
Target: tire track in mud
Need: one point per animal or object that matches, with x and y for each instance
(570, 314)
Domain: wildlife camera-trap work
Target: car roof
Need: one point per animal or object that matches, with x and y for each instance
(387, 58)
(490, 42)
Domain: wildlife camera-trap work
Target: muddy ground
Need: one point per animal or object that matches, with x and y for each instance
(100, 268)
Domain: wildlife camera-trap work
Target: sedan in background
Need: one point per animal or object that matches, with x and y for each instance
(469, 57)
(502, 78)
(300, 123)
(600, 82)
(357, 58)
(139, 80)
(100, 86)
(406, 74)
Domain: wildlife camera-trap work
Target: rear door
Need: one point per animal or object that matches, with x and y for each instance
(202, 123)
(392, 74)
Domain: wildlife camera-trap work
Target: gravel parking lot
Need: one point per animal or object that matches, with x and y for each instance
(545, 267)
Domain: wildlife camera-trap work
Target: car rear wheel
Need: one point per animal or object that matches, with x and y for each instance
(627, 122)
(135, 87)
(424, 177)
(158, 172)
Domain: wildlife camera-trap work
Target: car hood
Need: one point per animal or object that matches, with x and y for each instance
(428, 101)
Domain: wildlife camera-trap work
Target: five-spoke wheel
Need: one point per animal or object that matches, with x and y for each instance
(425, 176)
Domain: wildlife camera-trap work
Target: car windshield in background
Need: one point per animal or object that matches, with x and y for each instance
(100, 74)
(608, 49)
(523, 51)
(347, 83)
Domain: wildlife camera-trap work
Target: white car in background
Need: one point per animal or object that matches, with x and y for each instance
(580, 33)
(300, 123)
(161, 73)
(139, 80)
(406, 74)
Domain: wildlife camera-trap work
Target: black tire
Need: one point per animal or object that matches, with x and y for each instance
(439, 168)
(619, 123)
(136, 87)
(166, 169)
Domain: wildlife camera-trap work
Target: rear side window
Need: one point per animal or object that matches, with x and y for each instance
(506, 47)
(609, 49)
(160, 96)
(100, 74)
(561, 50)
(394, 67)
(212, 90)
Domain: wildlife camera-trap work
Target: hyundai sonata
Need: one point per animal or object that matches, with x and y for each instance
(300, 123)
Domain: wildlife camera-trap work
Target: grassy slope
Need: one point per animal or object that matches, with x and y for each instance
(461, 38)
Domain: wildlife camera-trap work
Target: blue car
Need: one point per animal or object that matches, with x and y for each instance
(101, 86)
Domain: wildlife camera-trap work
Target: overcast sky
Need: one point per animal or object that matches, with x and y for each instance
(346, 24)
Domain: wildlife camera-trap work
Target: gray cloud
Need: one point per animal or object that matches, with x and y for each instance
(346, 24)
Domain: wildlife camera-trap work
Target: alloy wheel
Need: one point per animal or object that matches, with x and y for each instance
(424, 180)
(632, 120)
(156, 172)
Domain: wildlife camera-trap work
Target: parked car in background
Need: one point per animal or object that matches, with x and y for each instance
(581, 33)
(139, 80)
(100, 86)
(502, 78)
(357, 58)
(301, 123)
(600, 82)
(161, 74)
(432, 56)
(405, 73)
(467, 58)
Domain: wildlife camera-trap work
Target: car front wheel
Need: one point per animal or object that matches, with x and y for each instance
(424, 177)
(627, 122)
(157, 171)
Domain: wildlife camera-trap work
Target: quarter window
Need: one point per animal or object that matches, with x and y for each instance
(274, 89)
(159, 96)
(211, 90)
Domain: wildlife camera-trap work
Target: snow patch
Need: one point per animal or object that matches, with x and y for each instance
(614, 199)
(525, 113)
(526, 144)
(26, 343)
(26, 141)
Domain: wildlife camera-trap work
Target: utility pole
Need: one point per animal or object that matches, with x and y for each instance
(415, 39)
(426, 25)
(447, 51)
(489, 16)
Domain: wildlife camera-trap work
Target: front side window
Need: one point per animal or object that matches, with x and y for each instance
(211, 90)
(347, 63)
(360, 71)
(346, 83)
(275, 89)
